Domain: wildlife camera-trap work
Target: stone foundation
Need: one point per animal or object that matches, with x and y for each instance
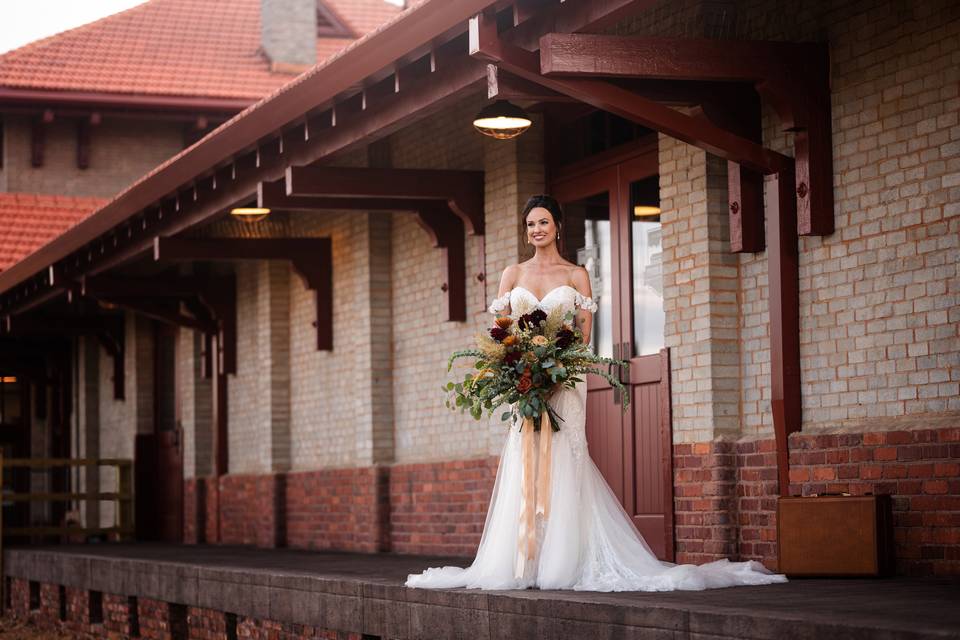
(131, 617)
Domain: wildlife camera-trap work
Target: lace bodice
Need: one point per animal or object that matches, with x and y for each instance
(522, 299)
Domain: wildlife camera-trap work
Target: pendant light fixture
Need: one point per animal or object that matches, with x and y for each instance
(250, 215)
(502, 120)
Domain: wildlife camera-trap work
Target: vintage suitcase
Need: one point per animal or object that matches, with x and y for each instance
(835, 535)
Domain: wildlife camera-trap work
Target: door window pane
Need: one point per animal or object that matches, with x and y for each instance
(648, 316)
(587, 242)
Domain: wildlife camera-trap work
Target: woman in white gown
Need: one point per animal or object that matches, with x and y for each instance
(587, 541)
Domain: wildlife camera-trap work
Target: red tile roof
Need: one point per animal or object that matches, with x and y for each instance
(28, 221)
(208, 48)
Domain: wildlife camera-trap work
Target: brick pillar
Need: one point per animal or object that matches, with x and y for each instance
(273, 359)
(701, 280)
(89, 415)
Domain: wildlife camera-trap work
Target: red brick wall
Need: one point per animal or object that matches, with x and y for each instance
(704, 501)
(116, 615)
(338, 509)
(717, 517)
(271, 630)
(78, 610)
(243, 495)
(206, 624)
(192, 529)
(417, 508)
(440, 507)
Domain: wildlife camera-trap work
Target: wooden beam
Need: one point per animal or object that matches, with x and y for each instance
(164, 310)
(586, 55)
(621, 102)
(162, 286)
(784, 308)
(273, 195)
(793, 77)
(461, 190)
(506, 86)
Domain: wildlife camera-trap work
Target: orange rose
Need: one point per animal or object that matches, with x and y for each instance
(509, 341)
(504, 321)
(524, 384)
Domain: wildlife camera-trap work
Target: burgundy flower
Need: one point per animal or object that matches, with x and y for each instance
(565, 338)
(512, 357)
(498, 333)
(532, 319)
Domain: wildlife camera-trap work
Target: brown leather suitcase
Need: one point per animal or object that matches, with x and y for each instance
(835, 535)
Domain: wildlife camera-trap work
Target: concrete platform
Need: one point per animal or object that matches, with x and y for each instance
(365, 594)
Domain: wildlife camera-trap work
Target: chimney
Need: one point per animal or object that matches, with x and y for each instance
(288, 33)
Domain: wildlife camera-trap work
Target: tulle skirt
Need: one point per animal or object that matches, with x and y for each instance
(587, 542)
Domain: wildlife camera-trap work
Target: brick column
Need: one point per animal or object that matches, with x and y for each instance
(701, 280)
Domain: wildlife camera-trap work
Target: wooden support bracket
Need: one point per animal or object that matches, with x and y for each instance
(447, 204)
(446, 235)
(310, 256)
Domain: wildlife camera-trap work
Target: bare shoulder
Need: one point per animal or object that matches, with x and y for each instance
(509, 278)
(580, 279)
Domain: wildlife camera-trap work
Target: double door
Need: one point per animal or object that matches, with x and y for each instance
(612, 228)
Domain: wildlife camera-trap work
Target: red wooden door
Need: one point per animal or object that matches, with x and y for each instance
(169, 460)
(621, 251)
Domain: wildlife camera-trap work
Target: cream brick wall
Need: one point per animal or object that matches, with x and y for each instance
(331, 390)
(701, 280)
(879, 297)
(120, 152)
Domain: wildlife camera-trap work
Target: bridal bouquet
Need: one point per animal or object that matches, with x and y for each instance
(521, 361)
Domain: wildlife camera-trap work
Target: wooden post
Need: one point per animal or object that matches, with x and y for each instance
(783, 270)
(125, 499)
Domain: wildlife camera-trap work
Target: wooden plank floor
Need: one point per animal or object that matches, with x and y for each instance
(365, 593)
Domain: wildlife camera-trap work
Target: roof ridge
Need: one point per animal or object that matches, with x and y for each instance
(36, 44)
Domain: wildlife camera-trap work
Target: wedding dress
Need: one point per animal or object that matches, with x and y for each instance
(586, 541)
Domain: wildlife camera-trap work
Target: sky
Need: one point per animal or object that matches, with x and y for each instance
(23, 21)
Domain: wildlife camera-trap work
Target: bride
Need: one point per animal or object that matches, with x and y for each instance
(587, 541)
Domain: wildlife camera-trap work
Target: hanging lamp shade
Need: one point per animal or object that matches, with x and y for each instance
(250, 214)
(502, 120)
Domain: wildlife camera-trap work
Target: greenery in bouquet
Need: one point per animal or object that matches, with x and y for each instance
(521, 362)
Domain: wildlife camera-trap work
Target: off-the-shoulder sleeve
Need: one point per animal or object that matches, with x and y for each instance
(585, 303)
(499, 304)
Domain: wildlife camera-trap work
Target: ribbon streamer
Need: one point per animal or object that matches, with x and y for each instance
(535, 490)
